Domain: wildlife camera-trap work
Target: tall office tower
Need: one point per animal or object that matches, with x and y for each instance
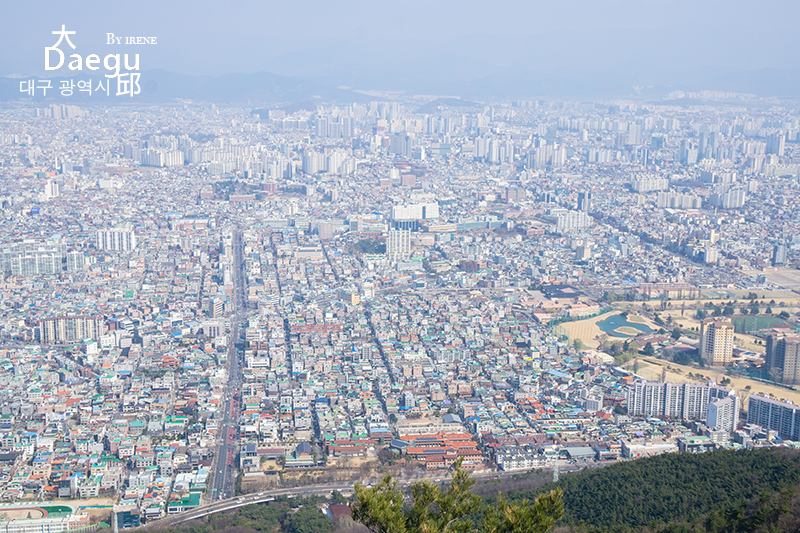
(779, 255)
(784, 417)
(776, 144)
(716, 342)
(398, 244)
(121, 239)
(216, 308)
(782, 360)
(585, 201)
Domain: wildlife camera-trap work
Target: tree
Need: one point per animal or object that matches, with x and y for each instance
(768, 311)
(381, 509)
(648, 349)
(519, 517)
(308, 520)
(386, 456)
(337, 497)
(676, 333)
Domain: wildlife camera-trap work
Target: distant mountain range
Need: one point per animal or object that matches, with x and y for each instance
(268, 90)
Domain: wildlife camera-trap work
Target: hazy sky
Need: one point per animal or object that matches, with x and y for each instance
(375, 44)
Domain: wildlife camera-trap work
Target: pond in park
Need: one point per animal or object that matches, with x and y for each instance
(620, 326)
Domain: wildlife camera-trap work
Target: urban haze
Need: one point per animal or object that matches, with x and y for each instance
(273, 249)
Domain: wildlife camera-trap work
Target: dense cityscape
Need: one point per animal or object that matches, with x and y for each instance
(205, 303)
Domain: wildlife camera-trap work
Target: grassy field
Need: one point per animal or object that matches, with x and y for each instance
(587, 330)
(752, 324)
(627, 330)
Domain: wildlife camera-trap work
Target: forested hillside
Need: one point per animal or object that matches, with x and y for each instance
(684, 491)
(724, 491)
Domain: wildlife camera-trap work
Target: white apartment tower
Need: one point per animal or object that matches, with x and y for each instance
(51, 190)
(687, 401)
(398, 244)
(723, 413)
(121, 239)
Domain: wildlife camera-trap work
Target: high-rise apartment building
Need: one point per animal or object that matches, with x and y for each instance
(779, 255)
(121, 239)
(723, 413)
(716, 342)
(726, 198)
(30, 259)
(69, 329)
(51, 190)
(782, 360)
(572, 220)
(689, 153)
(676, 200)
(585, 201)
(783, 417)
(687, 401)
(398, 244)
(776, 144)
(649, 183)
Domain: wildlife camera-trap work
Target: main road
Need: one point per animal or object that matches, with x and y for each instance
(229, 504)
(223, 468)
